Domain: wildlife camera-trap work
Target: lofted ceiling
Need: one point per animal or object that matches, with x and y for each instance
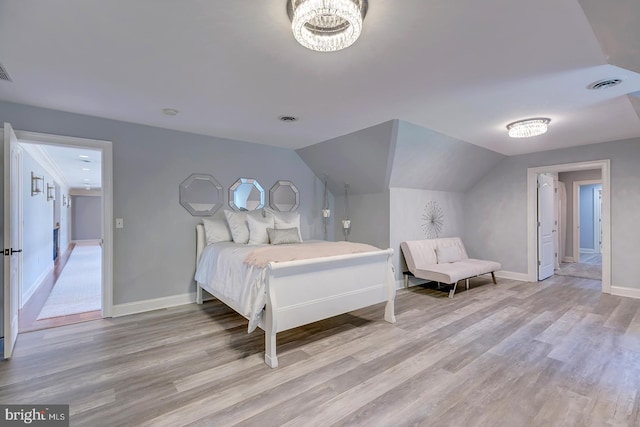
(464, 69)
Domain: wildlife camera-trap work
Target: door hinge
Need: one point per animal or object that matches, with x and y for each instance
(539, 263)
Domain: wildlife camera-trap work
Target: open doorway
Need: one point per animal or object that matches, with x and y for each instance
(62, 247)
(581, 256)
(603, 167)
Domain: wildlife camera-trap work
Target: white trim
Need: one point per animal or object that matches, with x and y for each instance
(38, 282)
(568, 259)
(511, 275)
(625, 292)
(87, 242)
(587, 251)
(107, 200)
(605, 168)
(152, 304)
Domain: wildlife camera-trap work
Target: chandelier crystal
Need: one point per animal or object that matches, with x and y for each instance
(326, 25)
(528, 128)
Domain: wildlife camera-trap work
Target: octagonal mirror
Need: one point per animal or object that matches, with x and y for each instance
(246, 194)
(284, 197)
(201, 194)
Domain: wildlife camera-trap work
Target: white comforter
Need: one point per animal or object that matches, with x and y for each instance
(222, 268)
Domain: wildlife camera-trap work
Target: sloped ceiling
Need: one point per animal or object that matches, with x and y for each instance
(429, 160)
(361, 159)
(398, 154)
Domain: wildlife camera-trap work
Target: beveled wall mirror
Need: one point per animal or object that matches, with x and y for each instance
(246, 194)
(201, 194)
(284, 197)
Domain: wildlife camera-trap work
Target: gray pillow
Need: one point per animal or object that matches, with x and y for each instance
(280, 236)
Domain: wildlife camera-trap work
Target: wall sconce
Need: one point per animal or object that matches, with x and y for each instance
(346, 222)
(326, 212)
(69, 201)
(51, 192)
(36, 184)
(64, 200)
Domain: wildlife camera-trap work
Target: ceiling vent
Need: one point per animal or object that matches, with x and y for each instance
(604, 84)
(3, 74)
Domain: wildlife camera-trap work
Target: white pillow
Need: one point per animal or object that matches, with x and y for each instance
(286, 220)
(238, 225)
(283, 235)
(216, 230)
(258, 228)
(447, 254)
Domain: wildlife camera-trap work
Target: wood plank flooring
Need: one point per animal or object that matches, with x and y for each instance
(513, 354)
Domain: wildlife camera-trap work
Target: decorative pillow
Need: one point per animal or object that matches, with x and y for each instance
(258, 228)
(216, 230)
(447, 254)
(281, 236)
(238, 225)
(285, 220)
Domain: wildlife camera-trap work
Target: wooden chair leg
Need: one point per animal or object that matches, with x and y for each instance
(493, 276)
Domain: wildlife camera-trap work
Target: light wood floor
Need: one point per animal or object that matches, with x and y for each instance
(557, 353)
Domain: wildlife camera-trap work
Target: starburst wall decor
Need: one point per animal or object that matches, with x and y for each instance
(432, 220)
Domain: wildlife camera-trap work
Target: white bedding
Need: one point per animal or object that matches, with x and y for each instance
(222, 267)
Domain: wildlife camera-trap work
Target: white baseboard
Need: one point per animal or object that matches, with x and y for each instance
(625, 292)
(568, 259)
(38, 282)
(587, 251)
(154, 304)
(511, 275)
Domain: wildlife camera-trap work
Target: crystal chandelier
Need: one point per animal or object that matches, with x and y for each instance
(326, 25)
(528, 128)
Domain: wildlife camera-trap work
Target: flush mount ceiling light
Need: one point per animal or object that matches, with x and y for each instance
(326, 25)
(528, 128)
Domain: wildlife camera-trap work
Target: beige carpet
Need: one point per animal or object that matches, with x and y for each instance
(577, 269)
(79, 287)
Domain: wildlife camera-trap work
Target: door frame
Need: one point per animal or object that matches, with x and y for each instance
(576, 215)
(107, 200)
(532, 250)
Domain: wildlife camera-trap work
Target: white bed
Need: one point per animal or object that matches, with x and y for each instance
(295, 293)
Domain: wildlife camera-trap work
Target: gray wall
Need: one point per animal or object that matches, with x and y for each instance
(86, 223)
(369, 214)
(154, 255)
(496, 207)
(406, 222)
(37, 229)
(569, 178)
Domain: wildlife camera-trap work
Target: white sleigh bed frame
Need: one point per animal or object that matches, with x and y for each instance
(305, 291)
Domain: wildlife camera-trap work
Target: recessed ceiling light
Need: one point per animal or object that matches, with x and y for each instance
(170, 111)
(288, 118)
(87, 180)
(83, 156)
(86, 169)
(605, 84)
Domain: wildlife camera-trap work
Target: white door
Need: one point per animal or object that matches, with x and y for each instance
(12, 244)
(546, 215)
